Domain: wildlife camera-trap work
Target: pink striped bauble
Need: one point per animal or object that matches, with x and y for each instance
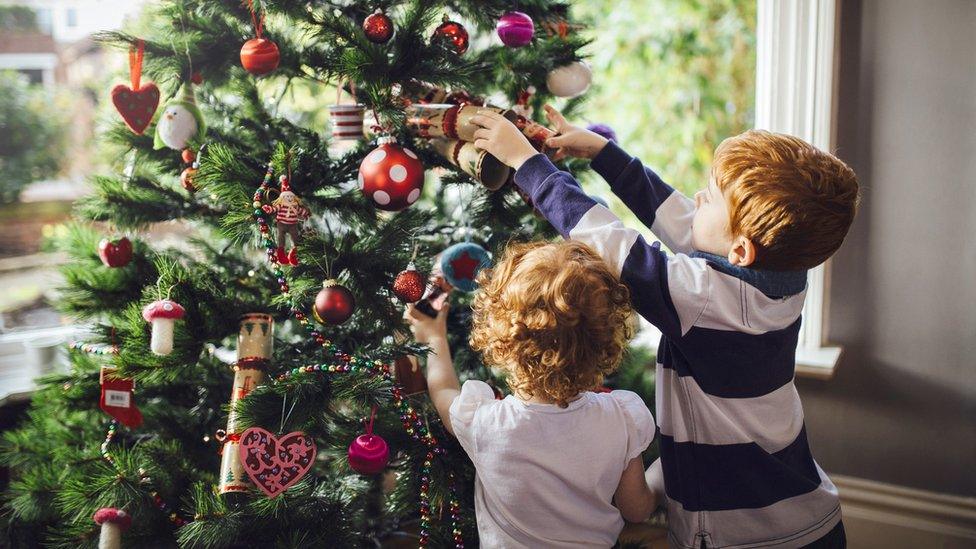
(515, 29)
(347, 121)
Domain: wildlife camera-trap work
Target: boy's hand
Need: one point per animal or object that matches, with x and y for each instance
(502, 139)
(427, 329)
(572, 140)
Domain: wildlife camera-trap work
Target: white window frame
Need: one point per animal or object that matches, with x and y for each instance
(796, 87)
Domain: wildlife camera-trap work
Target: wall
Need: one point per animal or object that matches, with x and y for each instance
(902, 407)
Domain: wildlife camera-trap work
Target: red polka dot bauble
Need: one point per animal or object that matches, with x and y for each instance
(391, 176)
(409, 285)
(368, 454)
(260, 56)
(378, 27)
(334, 304)
(451, 35)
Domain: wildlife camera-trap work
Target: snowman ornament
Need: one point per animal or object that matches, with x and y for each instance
(180, 122)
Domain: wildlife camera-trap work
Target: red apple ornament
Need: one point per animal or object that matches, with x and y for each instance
(115, 253)
(391, 176)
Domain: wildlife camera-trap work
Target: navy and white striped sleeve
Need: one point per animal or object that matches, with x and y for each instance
(644, 267)
(665, 211)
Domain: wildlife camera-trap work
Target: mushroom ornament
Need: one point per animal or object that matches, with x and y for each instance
(113, 522)
(161, 315)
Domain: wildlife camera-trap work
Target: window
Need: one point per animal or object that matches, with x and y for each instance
(44, 20)
(71, 14)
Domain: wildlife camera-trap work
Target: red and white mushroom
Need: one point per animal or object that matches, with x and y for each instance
(113, 522)
(161, 314)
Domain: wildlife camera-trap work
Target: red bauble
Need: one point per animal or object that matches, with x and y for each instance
(260, 56)
(378, 27)
(391, 176)
(186, 179)
(334, 304)
(115, 253)
(409, 285)
(452, 35)
(368, 454)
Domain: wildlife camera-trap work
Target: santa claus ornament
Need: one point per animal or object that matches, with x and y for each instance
(391, 176)
(289, 213)
(259, 56)
(461, 264)
(180, 122)
(137, 104)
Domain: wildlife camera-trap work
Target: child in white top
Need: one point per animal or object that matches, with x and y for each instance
(556, 464)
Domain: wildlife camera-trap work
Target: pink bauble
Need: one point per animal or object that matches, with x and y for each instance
(391, 176)
(515, 29)
(368, 454)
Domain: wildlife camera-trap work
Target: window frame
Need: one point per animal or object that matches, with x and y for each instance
(796, 90)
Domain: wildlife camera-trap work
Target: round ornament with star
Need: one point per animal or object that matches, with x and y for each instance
(461, 264)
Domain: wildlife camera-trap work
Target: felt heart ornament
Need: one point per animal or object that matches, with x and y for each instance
(137, 107)
(276, 463)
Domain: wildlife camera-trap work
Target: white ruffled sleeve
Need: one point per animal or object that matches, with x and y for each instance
(473, 395)
(640, 422)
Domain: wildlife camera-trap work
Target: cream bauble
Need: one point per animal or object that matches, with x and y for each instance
(569, 80)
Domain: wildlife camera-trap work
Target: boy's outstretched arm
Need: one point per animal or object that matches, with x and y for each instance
(667, 292)
(664, 210)
(443, 385)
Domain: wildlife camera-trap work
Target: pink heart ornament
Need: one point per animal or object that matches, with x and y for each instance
(273, 463)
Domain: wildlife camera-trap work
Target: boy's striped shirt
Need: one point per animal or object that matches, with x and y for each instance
(737, 468)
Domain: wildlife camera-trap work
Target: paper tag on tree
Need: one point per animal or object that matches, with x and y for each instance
(116, 399)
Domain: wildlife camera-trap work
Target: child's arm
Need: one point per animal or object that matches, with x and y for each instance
(669, 293)
(633, 497)
(661, 208)
(442, 381)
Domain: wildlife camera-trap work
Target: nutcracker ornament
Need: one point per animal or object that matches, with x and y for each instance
(254, 346)
(180, 122)
(289, 213)
(391, 176)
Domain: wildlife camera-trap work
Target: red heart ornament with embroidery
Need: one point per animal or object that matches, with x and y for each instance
(138, 106)
(273, 463)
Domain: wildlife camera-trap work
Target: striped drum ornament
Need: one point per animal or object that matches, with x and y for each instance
(347, 121)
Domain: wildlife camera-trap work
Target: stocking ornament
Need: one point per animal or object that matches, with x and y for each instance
(136, 104)
(117, 400)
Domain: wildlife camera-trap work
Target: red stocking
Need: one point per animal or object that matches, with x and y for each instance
(117, 400)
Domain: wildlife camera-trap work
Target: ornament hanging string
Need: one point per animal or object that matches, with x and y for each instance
(135, 62)
(372, 416)
(258, 22)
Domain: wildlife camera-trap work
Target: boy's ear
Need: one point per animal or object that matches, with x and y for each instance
(742, 252)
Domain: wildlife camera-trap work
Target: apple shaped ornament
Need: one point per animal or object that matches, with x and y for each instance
(391, 176)
(162, 315)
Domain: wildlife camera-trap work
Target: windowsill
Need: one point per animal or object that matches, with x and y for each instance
(817, 362)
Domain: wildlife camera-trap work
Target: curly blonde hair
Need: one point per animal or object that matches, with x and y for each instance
(554, 316)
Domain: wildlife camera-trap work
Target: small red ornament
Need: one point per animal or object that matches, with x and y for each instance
(115, 253)
(378, 27)
(188, 156)
(369, 454)
(196, 78)
(137, 104)
(391, 175)
(334, 304)
(409, 285)
(276, 463)
(186, 179)
(452, 35)
(260, 56)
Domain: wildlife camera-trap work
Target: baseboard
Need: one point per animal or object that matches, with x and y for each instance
(877, 514)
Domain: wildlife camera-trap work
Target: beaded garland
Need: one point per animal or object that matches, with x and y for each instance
(412, 423)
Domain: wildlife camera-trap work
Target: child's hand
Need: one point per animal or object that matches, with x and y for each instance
(502, 139)
(572, 140)
(426, 329)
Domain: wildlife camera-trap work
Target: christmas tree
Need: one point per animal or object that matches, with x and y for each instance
(252, 386)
